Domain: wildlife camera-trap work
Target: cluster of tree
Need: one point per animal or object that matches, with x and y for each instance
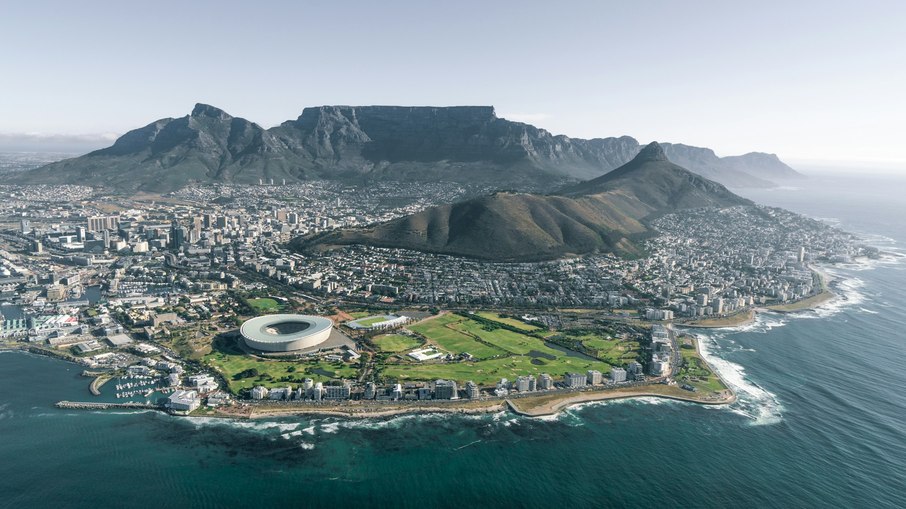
(248, 373)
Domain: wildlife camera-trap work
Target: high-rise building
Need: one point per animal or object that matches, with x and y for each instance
(25, 227)
(472, 391)
(525, 383)
(594, 377)
(617, 375)
(337, 391)
(370, 391)
(445, 389)
(545, 382)
(575, 380)
(177, 236)
(99, 223)
(317, 392)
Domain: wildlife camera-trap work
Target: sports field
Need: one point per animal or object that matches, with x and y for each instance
(371, 320)
(264, 304)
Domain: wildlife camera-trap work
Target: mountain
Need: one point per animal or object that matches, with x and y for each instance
(461, 143)
(207, 145)
(606, 214)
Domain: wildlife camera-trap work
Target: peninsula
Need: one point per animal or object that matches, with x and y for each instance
(391, 295)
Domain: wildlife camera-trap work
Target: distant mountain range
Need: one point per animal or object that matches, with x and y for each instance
(606, 214)
(462, 143)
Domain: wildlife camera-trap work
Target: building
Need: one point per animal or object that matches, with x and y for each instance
(445, 389)
(204, 383)
(575, 380)
(56, 292)
(594, 377)
(285, 332)
(472, 391)
(545, 382)
(635, 371)
(370, 391)
(102, 223)
(183, 401)
(337, 391)
(617, 375)
(526, 383)
(317, 392)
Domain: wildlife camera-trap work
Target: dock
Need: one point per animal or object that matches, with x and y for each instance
(92, 405)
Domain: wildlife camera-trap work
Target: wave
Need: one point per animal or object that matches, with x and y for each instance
(752, 400)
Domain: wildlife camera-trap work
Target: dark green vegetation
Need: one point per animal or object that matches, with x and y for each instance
(606, 214)
(466, 144)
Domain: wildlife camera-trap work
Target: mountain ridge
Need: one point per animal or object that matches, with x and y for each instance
(416, 143)
(606, 214)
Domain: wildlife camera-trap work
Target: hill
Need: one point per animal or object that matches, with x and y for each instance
(461, 143)
(606, 214)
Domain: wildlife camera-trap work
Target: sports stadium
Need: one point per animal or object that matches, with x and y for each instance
(285, 332)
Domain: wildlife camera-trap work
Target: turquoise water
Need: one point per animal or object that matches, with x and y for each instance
(820, 422)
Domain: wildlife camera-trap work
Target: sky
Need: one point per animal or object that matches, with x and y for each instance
(812, 81)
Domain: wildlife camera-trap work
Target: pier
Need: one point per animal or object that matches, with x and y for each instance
(91, 405)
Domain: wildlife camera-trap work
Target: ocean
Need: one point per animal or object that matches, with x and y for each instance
(819, 422)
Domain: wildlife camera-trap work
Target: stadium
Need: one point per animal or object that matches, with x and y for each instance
(285, 333)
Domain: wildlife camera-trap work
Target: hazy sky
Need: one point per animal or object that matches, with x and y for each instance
(822, 80)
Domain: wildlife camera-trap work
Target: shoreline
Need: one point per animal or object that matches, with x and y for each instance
(809, 303)
(545, 404)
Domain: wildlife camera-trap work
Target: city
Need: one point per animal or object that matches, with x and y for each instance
(155, 287)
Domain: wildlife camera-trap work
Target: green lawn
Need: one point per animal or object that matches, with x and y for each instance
(614, 351)
(358, 314)
(518, 354)
(264, 304)
(504, 339)
(696, 373)
(489, 371)
(231, 361)
(452, 340)
(512, 322)
(395, 343)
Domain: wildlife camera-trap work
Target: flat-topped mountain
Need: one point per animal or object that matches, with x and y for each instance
(606, 214)
(461, 143)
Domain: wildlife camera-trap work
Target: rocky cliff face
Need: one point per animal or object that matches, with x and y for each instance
(463, 143)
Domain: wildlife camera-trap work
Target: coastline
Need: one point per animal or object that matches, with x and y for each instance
(748, 318)
(541, 405)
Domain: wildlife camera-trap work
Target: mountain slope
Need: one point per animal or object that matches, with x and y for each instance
(207, 145)
(606, 214)
(462, 143)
